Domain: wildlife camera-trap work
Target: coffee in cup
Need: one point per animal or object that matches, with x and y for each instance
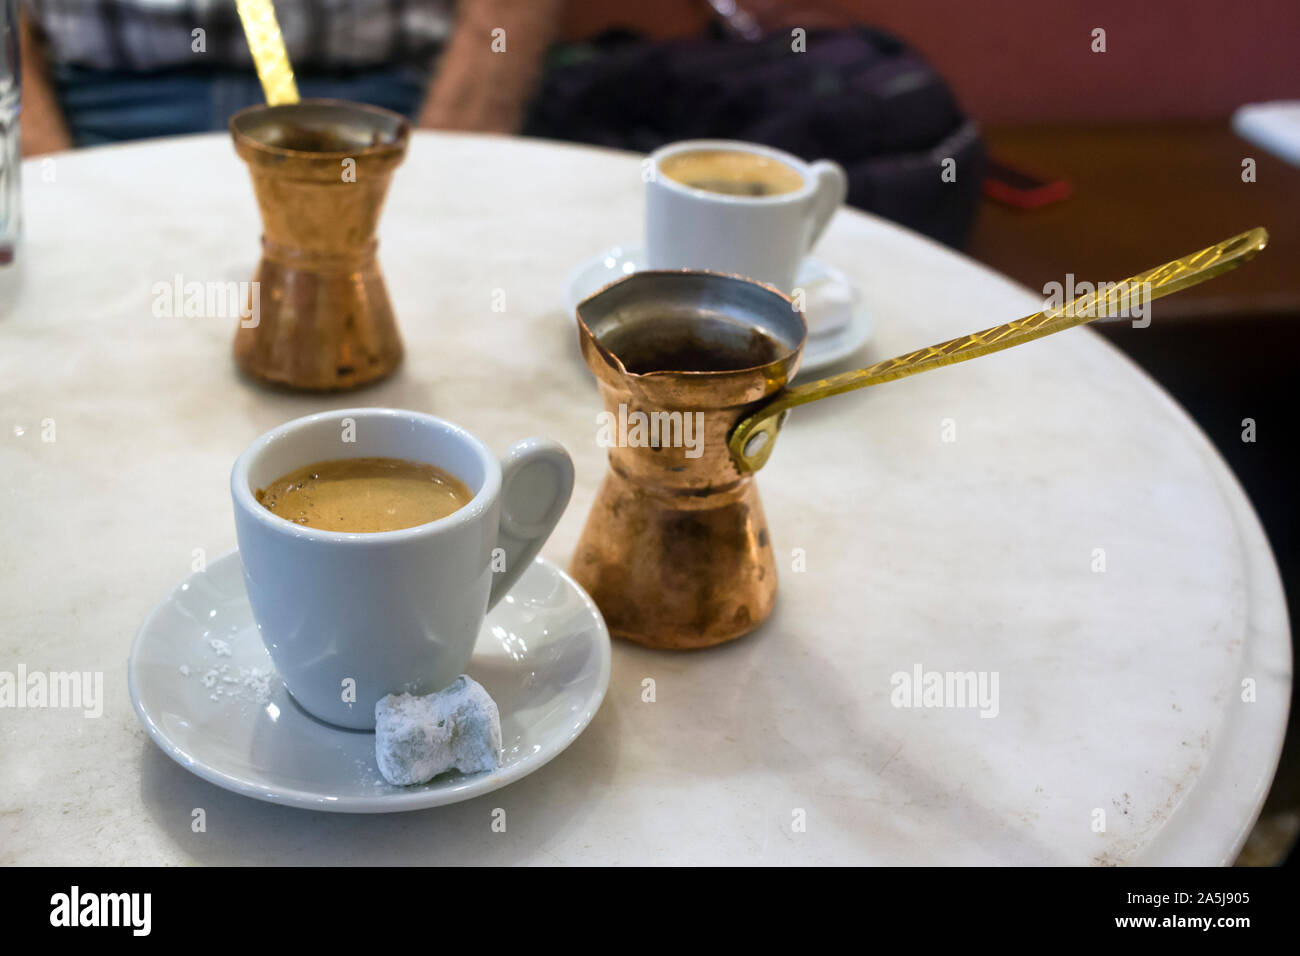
(367, 495)
(732, 172)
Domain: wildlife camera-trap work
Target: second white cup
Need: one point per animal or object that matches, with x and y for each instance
(759, 237)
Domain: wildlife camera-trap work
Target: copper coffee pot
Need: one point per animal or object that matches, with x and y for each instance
(676, 551)
(320, 170)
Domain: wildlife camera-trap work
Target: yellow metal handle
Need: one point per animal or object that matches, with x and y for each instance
(266, 43)
(751, 441)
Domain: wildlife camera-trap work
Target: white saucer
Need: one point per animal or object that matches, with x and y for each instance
(839, 321)
(543, 654)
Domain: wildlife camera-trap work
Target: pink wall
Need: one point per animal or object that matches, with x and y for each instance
(1015, 61)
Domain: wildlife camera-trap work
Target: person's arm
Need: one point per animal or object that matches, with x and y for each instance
(478, 89)
(41, 123)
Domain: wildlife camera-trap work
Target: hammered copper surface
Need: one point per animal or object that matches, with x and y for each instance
(325, 319)
(676, 551)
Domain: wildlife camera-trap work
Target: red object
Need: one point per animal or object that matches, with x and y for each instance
(1023, 190)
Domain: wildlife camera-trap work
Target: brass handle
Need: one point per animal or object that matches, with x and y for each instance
(751, 441)
(266, 44)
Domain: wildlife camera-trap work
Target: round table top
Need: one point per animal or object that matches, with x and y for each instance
(1046, 516)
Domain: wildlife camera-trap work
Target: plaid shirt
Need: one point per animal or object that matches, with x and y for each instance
(321, 35)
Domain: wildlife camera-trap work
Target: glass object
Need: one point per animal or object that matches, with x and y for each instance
(10, 153)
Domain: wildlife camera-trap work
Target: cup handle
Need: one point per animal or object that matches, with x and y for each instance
(832, 189)
(536, 481)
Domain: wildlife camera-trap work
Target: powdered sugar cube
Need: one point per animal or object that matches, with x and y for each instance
(417, 738)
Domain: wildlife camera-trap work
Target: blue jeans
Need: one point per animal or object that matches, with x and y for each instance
(110, 107)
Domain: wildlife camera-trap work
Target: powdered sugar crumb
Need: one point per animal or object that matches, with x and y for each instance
(255, 684)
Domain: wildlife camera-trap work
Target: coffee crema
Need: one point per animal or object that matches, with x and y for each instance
(732, 172)
(365, 494)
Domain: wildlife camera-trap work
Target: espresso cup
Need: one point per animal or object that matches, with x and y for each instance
(763, 237)
(351, 617)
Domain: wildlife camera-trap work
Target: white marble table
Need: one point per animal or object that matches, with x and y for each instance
(1119, 690)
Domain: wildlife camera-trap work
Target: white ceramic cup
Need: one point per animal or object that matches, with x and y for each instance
(393, 611)
(759, 237)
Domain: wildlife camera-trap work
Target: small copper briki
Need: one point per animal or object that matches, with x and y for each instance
(676, 551)
(321, 170)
